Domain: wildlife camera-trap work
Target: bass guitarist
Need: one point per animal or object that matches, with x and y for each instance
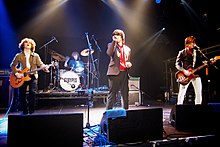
(188, 59)
(27, 59)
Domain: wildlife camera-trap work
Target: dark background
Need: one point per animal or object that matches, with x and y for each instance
(152, 57)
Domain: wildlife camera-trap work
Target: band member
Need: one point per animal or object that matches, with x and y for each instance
(75, 64)
(187, 60)
(117, 71)
(27, 59)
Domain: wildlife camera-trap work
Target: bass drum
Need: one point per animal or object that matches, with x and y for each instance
(69, 81)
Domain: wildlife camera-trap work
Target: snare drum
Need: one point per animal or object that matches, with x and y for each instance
(69, 81)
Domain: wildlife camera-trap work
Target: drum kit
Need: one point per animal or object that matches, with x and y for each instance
(70, 80)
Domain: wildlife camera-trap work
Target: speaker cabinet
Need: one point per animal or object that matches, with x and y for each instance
(134, 98)
(4, 91)
(136, 126)
(134, 91)
(194, 118)
(45, 130)
(134, 84)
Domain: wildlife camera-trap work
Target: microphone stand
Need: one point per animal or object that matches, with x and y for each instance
(90, 90)
(209, 95)
(97, 46)
(45, 46)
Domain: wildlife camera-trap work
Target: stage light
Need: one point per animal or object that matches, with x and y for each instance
(158, 1)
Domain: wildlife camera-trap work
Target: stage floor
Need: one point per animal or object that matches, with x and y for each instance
(93, 115)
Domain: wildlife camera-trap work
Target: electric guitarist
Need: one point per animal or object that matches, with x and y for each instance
(23, 62)
(191, 57)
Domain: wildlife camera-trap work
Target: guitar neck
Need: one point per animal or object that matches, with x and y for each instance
(32, 71)
(200, 67)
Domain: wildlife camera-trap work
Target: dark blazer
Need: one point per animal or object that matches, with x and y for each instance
(114, 63)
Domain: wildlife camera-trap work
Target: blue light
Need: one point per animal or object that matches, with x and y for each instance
(157, 1)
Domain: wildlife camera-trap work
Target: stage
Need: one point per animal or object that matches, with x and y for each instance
(156, 119)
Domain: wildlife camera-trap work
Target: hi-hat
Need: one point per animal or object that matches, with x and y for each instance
(85, 52)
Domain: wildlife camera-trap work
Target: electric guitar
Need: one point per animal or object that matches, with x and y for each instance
(183, 79)
(18, 82)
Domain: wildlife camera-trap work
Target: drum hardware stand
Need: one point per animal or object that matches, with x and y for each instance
(56, 76)
(45, 46)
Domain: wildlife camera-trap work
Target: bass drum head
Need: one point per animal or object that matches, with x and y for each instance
(69, 81)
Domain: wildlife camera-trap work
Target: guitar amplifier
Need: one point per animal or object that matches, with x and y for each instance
(134, 91)
(134, 83)
(4, 90)
(4, 72)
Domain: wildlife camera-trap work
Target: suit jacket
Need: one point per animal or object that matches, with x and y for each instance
(20, 60)
(114, 63)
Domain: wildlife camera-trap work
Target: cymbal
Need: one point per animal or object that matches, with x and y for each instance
(57, 56)
(85, 52)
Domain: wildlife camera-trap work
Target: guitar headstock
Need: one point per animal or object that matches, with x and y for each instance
(216, 58)
(213, 60)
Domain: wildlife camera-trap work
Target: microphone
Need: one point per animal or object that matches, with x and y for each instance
(195, 45)
(54, 38)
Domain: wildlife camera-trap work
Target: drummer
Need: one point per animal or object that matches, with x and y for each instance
(75, 64)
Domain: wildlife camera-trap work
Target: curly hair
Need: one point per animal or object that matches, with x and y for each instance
(33, 44)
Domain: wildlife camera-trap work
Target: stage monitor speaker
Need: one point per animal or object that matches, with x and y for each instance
(134, 91)
(134, 83)
(4, 91)
(193, 118)
(134, 98)
(137, 126)
(45, 130)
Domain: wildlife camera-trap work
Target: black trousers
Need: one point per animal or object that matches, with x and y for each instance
(118, 83)
(27, 100)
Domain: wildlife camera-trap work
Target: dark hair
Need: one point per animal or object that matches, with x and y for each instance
(119, 32)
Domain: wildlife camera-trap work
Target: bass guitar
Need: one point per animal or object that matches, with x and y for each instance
(183, 79)
(18, 82)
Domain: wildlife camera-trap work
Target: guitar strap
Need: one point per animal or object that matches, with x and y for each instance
(32, 60)
(194, 58)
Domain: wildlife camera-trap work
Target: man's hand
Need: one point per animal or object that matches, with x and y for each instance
(187, 73)
(19, 75)
(46, 68)
(128, 64)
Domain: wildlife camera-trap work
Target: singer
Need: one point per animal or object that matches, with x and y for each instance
(118, 67)
(187, 61)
